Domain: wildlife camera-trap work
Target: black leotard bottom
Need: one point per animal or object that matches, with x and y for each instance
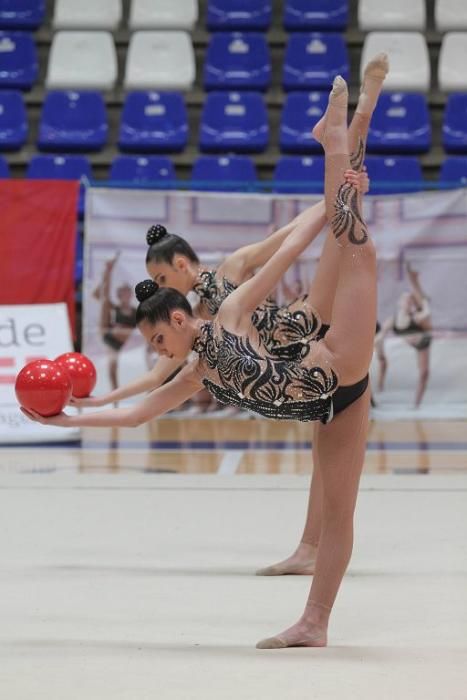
(345, 396)
(112, 341)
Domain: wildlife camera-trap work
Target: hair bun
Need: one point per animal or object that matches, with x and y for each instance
(155, 233)
(145, 289)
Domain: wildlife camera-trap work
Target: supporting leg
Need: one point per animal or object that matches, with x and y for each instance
(423, 357)
(302, 561)
(341, 453)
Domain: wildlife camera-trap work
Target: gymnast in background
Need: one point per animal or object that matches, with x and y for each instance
(116, 321)
(412, 321)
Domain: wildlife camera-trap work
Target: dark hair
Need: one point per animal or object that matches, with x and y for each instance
(163, 246)
(157, 303)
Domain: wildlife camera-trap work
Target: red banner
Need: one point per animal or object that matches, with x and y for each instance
(37, 242)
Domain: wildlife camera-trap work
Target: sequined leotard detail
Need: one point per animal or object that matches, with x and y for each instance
(235, 373)
(285, 330)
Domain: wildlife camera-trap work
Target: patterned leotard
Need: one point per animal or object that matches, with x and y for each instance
(283, 330)
(235, 373)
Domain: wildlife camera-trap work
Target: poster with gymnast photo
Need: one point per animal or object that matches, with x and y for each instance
(419, 362)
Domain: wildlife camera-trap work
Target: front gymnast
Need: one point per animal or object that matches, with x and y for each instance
(171, 261)
(327, 383)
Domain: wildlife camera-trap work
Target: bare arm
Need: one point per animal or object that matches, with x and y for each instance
(236, 310)
(414, 280)
(161, 400)
(163, 368)
(246, 260)
(242, 264)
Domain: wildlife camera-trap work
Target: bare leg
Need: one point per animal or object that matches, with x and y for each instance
(348, 348)
(341, 449)
(321, 295)
(302, 561)
(323, 286)
(113, 366)
(423, 357)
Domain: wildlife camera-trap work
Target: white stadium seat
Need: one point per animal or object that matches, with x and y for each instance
(452, 76)
(450, 14)
(163, 14)
(82, 60)
(160, 61)
(87, 14)
(402, 15)
(408, 58)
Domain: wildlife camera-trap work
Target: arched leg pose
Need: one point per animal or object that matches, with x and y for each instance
(412, 321)
(328, 382)
(116, 321)
(321, 294)
(341, 444)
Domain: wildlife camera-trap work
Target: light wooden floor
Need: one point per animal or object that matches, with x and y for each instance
(232, 446)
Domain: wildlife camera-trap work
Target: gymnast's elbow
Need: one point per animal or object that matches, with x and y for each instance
(136, 418)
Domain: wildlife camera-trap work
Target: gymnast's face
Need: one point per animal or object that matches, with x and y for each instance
(174, 339)
(175, 274)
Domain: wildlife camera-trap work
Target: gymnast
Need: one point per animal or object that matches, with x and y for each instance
(326, 382)
(412, 322)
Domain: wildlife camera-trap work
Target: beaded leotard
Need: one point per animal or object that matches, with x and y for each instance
(235, 373)
(283, 330)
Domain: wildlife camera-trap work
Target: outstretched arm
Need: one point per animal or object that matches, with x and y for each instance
(160, 401)
(246, 260)
(414, 279)
(236, 310)
(163, 368)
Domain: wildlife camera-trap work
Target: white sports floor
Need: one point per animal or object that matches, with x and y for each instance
(136, 586)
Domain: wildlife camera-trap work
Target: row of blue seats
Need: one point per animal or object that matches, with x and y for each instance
(158, 122)
(291, 174)
(232, 61)
(220, 14)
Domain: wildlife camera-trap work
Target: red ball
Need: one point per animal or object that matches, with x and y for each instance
(44, 387)
(82, 372)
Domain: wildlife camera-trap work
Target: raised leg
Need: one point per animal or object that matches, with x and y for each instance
(323, 286)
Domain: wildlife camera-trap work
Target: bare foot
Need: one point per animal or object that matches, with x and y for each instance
(300, 563)
(302, 634)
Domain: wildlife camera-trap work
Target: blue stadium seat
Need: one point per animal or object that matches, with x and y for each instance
(73, 121)
(327, 15)
(21, 14)
(312, 61)
(300, 113)
(236, 60)
(238, 14)
(18, 60)
(299, 175)
(223, 173)
(4, 168)
(390, 175)
(61, 167)
(233, 121)
(455, 124)
(400, 124)
(153, 122)
(158, 170)
(13, 121)
(453, 171)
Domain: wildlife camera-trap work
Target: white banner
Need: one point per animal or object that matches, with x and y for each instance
(27, 333)
(427, 230)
